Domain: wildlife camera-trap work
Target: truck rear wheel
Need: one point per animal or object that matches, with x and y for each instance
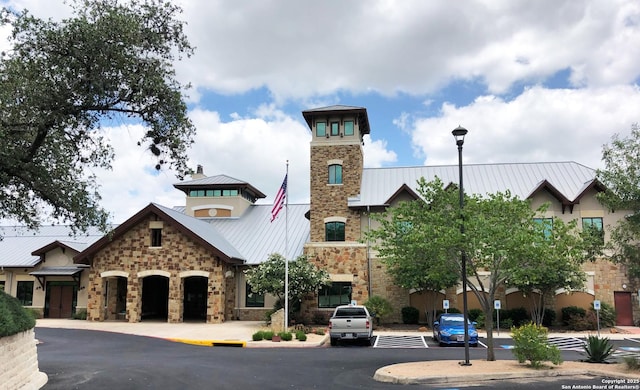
(334, 341)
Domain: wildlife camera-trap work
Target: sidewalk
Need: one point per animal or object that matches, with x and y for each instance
(433, 372)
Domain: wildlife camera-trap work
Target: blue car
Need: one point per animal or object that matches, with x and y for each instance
(449, 330)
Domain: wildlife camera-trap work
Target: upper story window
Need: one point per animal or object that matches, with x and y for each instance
(594, 226)
(335, 128)
(335, 174)
(348, 128)
(213, 193)
(321, 129)
(334, 231)
(156, 237)
(546, 224)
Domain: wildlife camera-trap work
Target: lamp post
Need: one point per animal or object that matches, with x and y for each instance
(459, 133)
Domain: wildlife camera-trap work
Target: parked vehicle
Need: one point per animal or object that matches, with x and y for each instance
(350, 322)
(449, 330)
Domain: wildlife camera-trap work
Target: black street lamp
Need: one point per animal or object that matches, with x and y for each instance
(459, 133)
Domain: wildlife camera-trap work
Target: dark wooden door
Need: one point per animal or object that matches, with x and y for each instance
(60, 301)
(622, 300)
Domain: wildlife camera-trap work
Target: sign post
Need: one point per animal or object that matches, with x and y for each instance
(596, 307)
(497, 305)
(445, 305)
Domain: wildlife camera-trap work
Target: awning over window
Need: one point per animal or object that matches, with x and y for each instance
(73, 271)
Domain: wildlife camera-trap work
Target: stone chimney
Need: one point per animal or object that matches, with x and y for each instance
(199, 173)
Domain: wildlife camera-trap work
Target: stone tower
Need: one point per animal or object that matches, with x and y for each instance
(336, 177)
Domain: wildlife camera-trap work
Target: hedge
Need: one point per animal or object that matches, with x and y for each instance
(13, 317)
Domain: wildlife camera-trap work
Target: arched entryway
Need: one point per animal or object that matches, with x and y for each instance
(155, 298)
(195, 299)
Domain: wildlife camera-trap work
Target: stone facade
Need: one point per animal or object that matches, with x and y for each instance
(19, 368)
(131, 256)
(383, 285)
(330, 200)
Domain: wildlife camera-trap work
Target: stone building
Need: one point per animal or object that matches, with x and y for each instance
(187, 263)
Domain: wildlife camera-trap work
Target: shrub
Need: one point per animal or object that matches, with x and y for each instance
(267, 334)
(319, 332)
(632, 363)
(80, 314)
(474, 314)
(285, 336)
(598, 350)
(583, 322)
(480, 321)
(13, 317)
(519, 316)
(301, 336)
(258, 336)
(549, 317)
(530, 343)
(410, 315)
(507, 323)
(320, 317)
(570, 311)
(607, 315)
(378, 307)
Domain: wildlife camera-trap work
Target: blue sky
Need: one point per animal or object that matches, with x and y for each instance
(532, 81)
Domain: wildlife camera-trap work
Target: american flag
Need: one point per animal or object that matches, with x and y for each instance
(280, 197)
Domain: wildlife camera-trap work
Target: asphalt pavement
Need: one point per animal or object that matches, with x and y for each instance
(240, 333)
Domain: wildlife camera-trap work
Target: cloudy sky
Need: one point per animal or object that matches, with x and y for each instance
(532, 81)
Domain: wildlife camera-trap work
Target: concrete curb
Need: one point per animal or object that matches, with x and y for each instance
(211, 343)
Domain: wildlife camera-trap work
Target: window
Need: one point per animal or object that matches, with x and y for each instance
(334, 231)
(335, 128)
(593, 226)
(25, 293)
(321, 129)
(546, 224)
(156, 237)
(348, 128)
(1, 285)
(253, 299)
(229, 192)
(338, 293)
(335, 174)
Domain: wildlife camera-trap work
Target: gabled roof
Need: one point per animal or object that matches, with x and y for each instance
(219, 182)
(21, 246)
(75, 246)
(360, 112)
(256, 237)
(198, 230)
(566, 180)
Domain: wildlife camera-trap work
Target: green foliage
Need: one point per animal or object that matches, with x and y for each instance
(571, 311)
(320, 332)
(285, 336)
(632, 363)
(581, 323)
(62, 80)
(80, 314)
(474, 314)
(258, 336)
(378, 307)
(506, 323)
(598, 350)
(621, 177)
(267, 334)
(13, 317)
(607, 315)
(518, 316)
(301, 336)
(304, 278)
(410, 315)
(549, 317)
(530, 343)
(320, 317)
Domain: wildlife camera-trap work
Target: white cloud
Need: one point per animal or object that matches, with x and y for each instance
(376, 153)
(539, 125)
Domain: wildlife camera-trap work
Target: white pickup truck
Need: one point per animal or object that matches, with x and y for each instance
(350, 322)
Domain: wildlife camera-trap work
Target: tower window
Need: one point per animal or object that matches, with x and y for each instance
(334, 231)
(321, 129)
(156, 237)
(335, 174)
(335, 128)
(348, 128)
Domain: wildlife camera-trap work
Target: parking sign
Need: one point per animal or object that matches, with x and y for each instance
(596, 305)
(497, 304)
(445, 304)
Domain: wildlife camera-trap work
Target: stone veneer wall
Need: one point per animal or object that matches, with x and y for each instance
(609, 278)
(340, 258)
(383, 285)
(329, 200)
(19, 368)
(131, 253)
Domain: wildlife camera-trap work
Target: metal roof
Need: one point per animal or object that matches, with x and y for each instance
(58, 271)
(256, 237)
(569, 178)
(18, 242)
(221, 181)
(360, 112)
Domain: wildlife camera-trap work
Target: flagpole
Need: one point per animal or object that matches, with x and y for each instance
(286, 260)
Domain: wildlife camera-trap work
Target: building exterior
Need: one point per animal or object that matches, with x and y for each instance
(186, 263)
